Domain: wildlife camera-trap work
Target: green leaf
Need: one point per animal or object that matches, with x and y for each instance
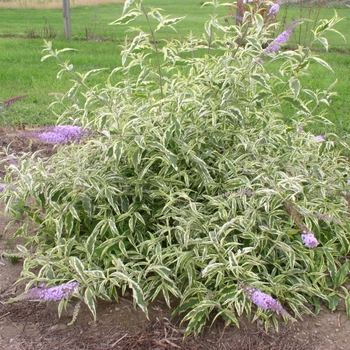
(172, 21)
(113, 227)
(68, 246)
(127, 18)
(140, 140)
(74, 212)
(136, 158)
(260, 79)
(132, 223)
(22, 249)
(342, 274)
(321, 62)
(347, 305)
(297, 104)
(59, 228)
(111, 200)
(123, 249)
(90, 242)
(78, 266)
(136, 289)
(317, 304)
(87, 205)
(89, 301)
(332, 268)
(61, 306)
(229, 317)
(139, 217)
(75, 313)
(322, 148)
(117, 151)
(188, 304)
(294, 85)
(324, 42)
(169, 23)
(171, 156)
(198, 316)
(69, 223)
(333, 302)
(160, 270)
(127, 4)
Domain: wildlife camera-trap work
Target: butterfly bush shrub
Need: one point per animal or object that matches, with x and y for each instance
(195, 183)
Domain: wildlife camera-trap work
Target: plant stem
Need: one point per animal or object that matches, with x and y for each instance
(156, 48)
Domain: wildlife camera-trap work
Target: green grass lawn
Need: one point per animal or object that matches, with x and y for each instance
(23, 73)
(21, 39)
(98, 45)
(93, 22)
(312, 15)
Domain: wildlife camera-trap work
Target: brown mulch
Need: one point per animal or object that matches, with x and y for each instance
(38, 328)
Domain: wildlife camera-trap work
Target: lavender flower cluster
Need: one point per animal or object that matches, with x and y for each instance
(265, 301)
(3, 187)
(61, 134)
(57, 293)
(275, 45)
(320, 138)
(309, 239)
(273, 10)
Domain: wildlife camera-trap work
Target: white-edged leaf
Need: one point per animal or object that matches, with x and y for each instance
(89, 301)
(74, 212)
(137, 291)
(160, 270)
(127, 4)
(65, 49)
(130, 16)
(77, 266)
(90, 243)
(261, 80)
(22, 249)
(321, 62)
(138, 296)
(324, 42)
(294, 85)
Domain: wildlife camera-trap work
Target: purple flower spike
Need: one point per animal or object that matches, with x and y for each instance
(62, 134)
(52, 137)
(273, 10)
(3, 187)
(320, 138)
(51, 294)
(275, 45)
(265, 301)
(309, 239)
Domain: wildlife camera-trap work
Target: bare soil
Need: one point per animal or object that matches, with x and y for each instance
(34, 326)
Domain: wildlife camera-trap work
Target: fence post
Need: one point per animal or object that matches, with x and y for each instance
(66, 17)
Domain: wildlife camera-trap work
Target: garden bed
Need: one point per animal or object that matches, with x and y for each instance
(30, 325)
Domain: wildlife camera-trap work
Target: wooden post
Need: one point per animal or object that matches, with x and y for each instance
(66, 17)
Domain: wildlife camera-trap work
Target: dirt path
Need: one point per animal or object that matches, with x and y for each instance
(33, 326)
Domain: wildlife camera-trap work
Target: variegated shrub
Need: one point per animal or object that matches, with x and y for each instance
(193, 185)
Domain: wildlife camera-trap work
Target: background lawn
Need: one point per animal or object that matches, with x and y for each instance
(23, 29)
